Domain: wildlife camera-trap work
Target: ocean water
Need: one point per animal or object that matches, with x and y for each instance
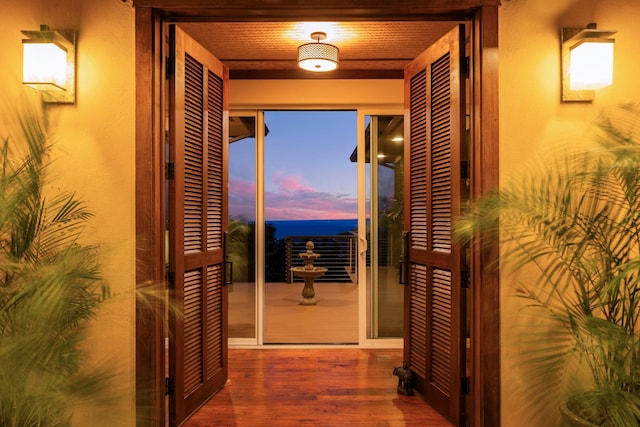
(315, 227)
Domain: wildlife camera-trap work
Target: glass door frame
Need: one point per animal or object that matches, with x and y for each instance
(366, 338)
(364, 341)
(257, 340)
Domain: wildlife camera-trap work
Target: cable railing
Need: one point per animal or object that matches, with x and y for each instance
(338, 253)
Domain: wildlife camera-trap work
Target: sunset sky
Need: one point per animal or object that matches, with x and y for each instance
(308, 174)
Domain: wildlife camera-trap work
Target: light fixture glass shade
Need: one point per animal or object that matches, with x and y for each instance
(318, 57)
(587, 62)
(591, 64)
(49, 64)
(44, 65)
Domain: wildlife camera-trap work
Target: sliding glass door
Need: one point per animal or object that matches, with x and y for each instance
(241, 242)
(293, 179)
(310, 196)
(384, 156)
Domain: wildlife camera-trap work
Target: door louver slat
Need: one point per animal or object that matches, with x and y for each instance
(194, 101)
(441, 329)
(192, 331)
(441, 155)
(215, 172)
(198, 111)
(418, 161)
(418, 315)
(436, 309)
(214, 320)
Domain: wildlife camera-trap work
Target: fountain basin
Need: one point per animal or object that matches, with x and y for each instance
(312, 273)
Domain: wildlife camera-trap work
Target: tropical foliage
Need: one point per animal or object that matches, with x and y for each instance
(50, 287)
(569, 232)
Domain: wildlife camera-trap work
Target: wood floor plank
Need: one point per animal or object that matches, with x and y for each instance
(314, 387)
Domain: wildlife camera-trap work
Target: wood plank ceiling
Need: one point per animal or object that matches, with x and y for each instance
(269, 49)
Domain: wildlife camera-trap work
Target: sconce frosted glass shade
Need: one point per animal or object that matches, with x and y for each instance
(44, 66)
(587, 62)
(591, 65)
(318, 57)
(49, 64)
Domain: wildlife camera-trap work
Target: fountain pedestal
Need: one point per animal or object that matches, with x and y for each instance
(308, 293)
(309, 273)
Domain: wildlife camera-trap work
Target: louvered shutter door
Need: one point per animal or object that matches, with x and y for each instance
(198, 117)
(435, 306)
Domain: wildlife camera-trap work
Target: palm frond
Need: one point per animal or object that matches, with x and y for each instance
(50, 287)
(570, 227)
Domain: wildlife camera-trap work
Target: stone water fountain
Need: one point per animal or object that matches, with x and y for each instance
(309, 273)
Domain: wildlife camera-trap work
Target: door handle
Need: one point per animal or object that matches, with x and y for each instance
(403, 269)
(363, 246)
(228, 272)
(228, 264)
(403, 272)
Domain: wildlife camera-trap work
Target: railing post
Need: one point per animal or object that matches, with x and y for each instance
(337, 252)
(287, 259)
(353, 254)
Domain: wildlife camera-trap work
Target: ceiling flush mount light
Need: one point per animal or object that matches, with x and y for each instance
(48, 64)
(318, 57)
(587, 62)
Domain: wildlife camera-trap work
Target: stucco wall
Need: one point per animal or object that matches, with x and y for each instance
(532, 117)
(95, 151)
(94, 156)
(317, 93)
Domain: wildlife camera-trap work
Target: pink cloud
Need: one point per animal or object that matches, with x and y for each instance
(295, 199)
(290, 183)
(242, 187)
(291, 198)
(242, 199)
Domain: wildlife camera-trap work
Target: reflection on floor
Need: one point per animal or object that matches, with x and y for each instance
(333, 320)
(242, 310)
(390, 302)
(314, 387)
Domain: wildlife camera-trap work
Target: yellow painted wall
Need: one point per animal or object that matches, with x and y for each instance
(532, 118)
(94, 156)
(319, 93)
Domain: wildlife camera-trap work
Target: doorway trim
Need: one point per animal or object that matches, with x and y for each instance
(150, 16)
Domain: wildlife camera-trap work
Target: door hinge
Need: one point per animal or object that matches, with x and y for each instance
(466, 66)
(404, 259)
(168, 71)
(169, 386)
(465, 279)
(464, 169)
(171, 280)
(170, 171)
(465, 386)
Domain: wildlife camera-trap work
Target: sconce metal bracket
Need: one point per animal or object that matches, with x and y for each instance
(569, 95)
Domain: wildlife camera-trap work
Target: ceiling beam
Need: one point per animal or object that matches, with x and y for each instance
(302, 74)
(335, 10)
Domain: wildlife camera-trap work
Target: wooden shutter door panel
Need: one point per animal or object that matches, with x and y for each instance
(198, 115)
(435, 305)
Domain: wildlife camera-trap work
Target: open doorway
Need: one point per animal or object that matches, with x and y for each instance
(310, 195)
(309, 172)
(150, 171)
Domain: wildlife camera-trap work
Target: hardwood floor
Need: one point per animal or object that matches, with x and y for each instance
(314, 387)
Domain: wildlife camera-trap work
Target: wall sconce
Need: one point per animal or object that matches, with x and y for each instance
(587, 62)
(49, 64)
